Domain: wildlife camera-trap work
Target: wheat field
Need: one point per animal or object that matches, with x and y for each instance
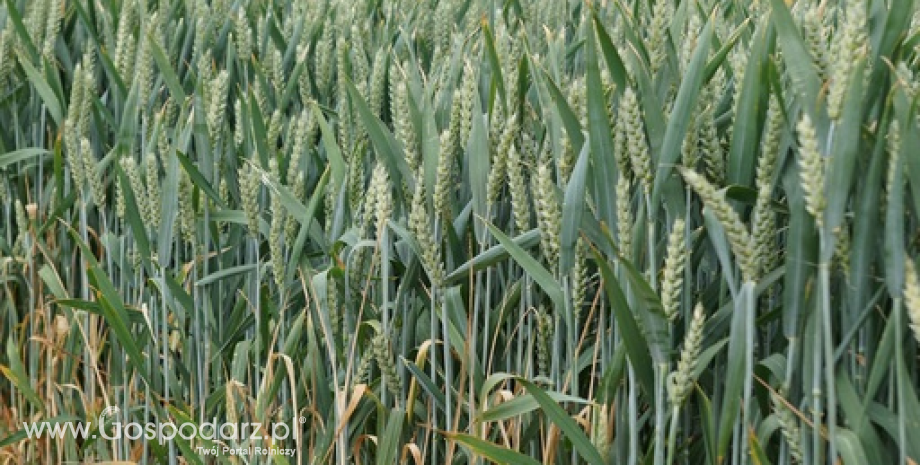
(460, 231)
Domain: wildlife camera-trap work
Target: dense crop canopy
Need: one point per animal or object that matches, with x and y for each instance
(462, 231)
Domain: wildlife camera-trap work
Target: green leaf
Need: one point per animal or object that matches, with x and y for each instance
(737, 369)
(898, 20)
(706, 357)
(801, 255)
(719, 57)
(521, 405)
(427, 384)
(894, 250)
(565, 423)
(573, 207)
(841, 166)
(569, 120)
(477, 154)
(256, 122)
(185, 446)
(650, 311)
(615, 64)
(225, 273)
(493, 452)
(798, 60)
(17, 156)
(333, 153)
(307, 225)
(113, 309)
(490, 256)
(166, 70)
(496, 67)
(44, 91)
(707, 424)
(198, 179)
(637, 348)
(857, 417)
(134, 317)
(757, 452)
(385, 144)
(653, 116)
(746, 130)
(531, 266)
(16, 373)
(599, 136)
(849, 447)
(132, 216)
(884, 353)
(680, 116)
(53, 281)
(389, 445)
(294, 206)
(21, 30)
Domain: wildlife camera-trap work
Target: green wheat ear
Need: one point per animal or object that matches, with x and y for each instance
(912, 296)
(624, 215)
(134, 180)
(812, 170)
(676, 258)
(636, 145)
(96, 176)
(738, 236)
(151, 208)
(251, 184)
(681, 381)
(502, 147)
(848, 44)
(384, 357)
(580, 278)
(789, 426)
(358, 215)
(443, 188)
(548, 214)
(383, 200)
(187, 214)
(276, 230)
(419, 226)
(711, 149)
(544, 327)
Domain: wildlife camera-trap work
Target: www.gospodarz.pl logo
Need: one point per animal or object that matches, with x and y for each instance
(111, 427)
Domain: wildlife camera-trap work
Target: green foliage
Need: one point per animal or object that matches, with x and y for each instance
(446, 231)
